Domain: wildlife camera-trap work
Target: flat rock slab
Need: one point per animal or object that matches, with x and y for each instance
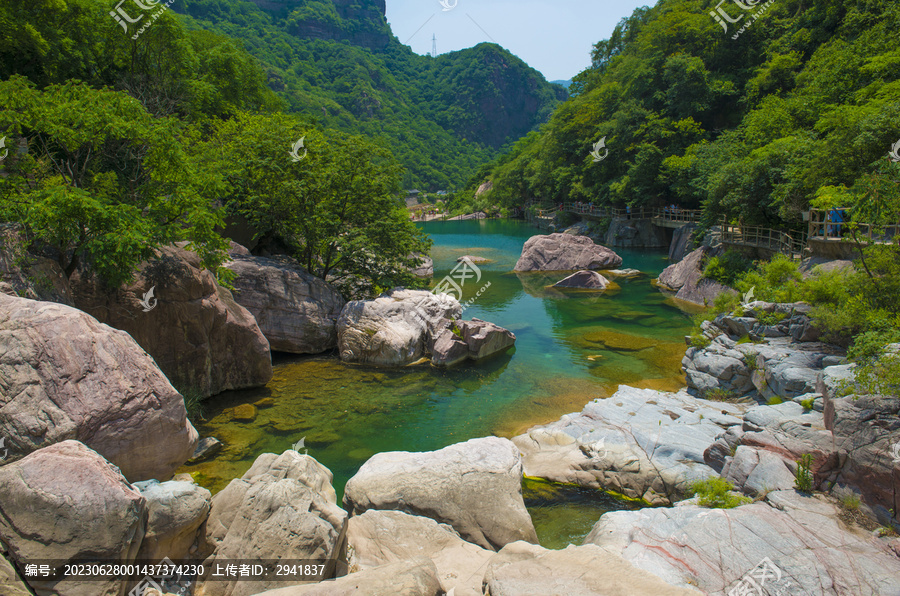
(715, 549)
(522, 568)
(564, 252)
(415, 577)
(475, 487)
(380, 537)
(641, 443)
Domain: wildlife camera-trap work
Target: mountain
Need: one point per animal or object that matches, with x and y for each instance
(338, 62)
(753, 123)
(564, 84)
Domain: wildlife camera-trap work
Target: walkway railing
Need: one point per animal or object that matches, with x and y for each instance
(833, 224)
(757, 237)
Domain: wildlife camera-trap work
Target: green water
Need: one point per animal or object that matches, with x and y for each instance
(570, 348)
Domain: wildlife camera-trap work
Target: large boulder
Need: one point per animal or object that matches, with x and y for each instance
(411, 577)
(296, 311)
(455, 341)
(681, 242)
(10, 584)
(564, 252)
(583, 280)
(801, 541)
(193, 327)
(475, 486)
(283, 507)
(635, 233)
(380, 537)
(642, 443)
(867, 432)
(522, 568)
(66, 502)
(29, 276)
(724, 366)
(686, 280)
(64, 376)
(177, 510)
(394, 329)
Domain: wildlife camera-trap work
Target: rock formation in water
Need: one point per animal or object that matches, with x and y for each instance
(565, 252)
(583, 280)
(203, 340)
(685, 279)
(63, 375)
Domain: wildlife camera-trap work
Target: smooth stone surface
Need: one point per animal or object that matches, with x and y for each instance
(686, 280)
(193, 329)
(564, 252)
(283, 507)
(207, 447)
(713, 549)
(475, 486)
(583, 280)
(413, 577)
(295, 310)
(395, 328)
(642, 443)
(522, 568)
(66, 502)
(379, 537)
(176, 511)
(66, 376)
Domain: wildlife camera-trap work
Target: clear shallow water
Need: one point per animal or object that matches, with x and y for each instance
(570, 348)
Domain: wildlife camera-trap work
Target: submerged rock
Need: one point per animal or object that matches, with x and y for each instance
(456, 341)
(475, 486)
(714, 549)
(193, 327)
(584, 280)
(522, 568)
(641, 443)
(379, 537)
(564, 252)
(295, 310)
(66, 376)
(206, 448)
(65, 502)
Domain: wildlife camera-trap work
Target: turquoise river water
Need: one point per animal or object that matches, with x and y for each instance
(570, 348)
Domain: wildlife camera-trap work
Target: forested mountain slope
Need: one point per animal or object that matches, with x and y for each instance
(339, 63)
(753, 123)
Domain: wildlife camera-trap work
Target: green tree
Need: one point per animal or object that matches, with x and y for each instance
(335, 209)
(102, 183)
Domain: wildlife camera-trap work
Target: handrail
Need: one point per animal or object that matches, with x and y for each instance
(759, 237)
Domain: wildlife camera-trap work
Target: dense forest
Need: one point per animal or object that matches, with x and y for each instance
(755, 123)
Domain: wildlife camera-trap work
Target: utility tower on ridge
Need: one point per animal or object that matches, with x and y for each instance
(433, 45)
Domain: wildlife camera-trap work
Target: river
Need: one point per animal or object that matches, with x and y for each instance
(570, 348)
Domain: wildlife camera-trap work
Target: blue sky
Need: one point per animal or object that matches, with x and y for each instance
(553, 36)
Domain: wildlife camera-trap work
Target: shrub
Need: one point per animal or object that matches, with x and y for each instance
(850, 502)
(716, 493)
(699, 340)
(750, 361)
(802, 477)
(808, 403)
(777, 280)
(727, 268)
(719, 394)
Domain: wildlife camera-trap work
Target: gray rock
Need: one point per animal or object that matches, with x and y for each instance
(192, 330)
(685, 278)
(563, 252)
(642, 443)
(757, 472)
(426, 267)
(177, 509)
(379, 537)
(475, 259)
(412, 577)
(283, 507)
(456, 341)
(583, 280)
(475, 486)
(296, 311)
(395, 328)
(681, 242)
(635, 233)
(66, 376)
(206, 448)
(623, 272)
(10, 583)
(66, 502)
(527, 569)
(712, 550)
(717, 454)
